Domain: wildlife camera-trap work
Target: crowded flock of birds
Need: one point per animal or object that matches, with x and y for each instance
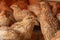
(17, 24)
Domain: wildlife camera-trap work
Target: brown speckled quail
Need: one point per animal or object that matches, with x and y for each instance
(17, 13)
(4, 21)
(7, 33)
(49, 24)
(25, 27)
(7, 11)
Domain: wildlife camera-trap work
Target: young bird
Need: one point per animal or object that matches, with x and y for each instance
(4, 21)
(49, 24)
(7, 11)
(17, 13)
(25, 27)
(7, 33)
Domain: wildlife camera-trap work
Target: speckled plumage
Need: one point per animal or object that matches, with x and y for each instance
(25, 27)
(7, 33)
(49, 24)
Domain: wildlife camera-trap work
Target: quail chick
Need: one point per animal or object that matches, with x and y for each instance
(24, 27)
(28, 13)
(7, 33)
(9, 15)
(16, 12)
(49, 24)
(4, 21)
(7, 10)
